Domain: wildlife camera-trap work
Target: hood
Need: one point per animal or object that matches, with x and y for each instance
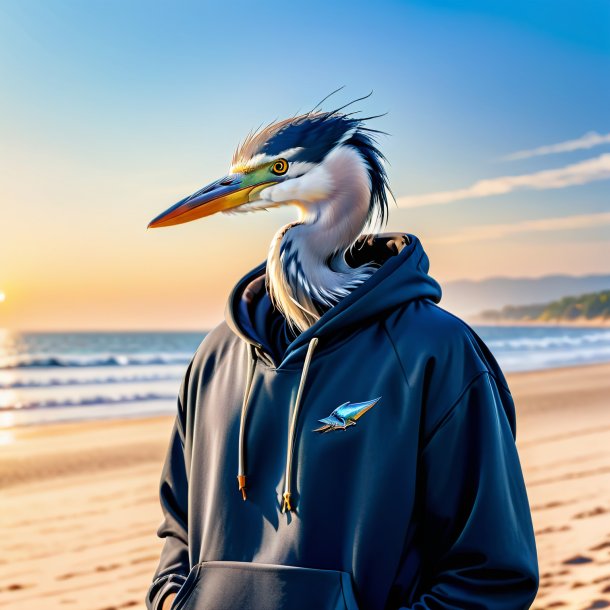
(402, 277)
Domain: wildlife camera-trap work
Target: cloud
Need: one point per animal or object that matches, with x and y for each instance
(590, 170)
(589, 140)
(490, 232)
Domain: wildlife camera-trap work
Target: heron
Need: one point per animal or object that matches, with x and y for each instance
(328, 165)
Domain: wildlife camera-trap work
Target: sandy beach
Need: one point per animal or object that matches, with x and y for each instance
(79, 507)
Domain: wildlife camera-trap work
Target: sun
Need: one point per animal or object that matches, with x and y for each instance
(2, 297)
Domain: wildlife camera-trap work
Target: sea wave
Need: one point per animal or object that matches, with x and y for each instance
(535, 360)
(76, 361)
(57, 382)
(550, 342)
(87, 401)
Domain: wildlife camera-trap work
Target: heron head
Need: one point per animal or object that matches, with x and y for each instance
(287, 162)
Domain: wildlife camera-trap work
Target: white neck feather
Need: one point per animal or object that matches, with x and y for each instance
(306, 258)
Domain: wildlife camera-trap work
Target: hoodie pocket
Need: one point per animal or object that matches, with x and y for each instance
(232, 585)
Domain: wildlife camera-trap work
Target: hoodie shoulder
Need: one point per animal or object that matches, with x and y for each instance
(420, 329)
(441, 355)
(217, 343)
(213, 350)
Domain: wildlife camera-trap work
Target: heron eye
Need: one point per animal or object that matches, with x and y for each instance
(280, 167)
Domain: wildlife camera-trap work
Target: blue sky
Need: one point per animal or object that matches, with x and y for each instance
(110, 111)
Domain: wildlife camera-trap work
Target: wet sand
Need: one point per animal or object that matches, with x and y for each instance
(79, 506)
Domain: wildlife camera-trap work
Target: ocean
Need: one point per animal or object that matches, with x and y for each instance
(53, 377)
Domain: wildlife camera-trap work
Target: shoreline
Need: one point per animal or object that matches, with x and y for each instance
(13, 418)
(585, 324)
(79, 502)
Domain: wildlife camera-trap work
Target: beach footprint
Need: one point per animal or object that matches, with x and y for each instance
(577, 560)
(598, 603)
(594, 512)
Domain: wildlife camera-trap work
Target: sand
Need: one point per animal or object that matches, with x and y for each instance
(79, 506)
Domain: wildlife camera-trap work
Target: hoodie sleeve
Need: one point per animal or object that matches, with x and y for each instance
(478, 542)
(173, 565)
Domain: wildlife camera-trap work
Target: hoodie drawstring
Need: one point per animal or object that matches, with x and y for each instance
(293, 424)
(241, 475)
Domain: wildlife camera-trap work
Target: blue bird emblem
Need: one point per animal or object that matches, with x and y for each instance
(345, 415)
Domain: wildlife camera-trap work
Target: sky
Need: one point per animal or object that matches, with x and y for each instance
(111, 111)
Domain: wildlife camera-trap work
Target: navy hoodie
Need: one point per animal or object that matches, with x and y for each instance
(391, 428)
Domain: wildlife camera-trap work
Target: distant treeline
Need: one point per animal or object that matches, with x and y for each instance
(593, 306)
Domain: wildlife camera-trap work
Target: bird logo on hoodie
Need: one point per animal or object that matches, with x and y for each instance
(345, 415)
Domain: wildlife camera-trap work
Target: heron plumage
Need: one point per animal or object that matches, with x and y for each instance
(338, 183)
(328, 165)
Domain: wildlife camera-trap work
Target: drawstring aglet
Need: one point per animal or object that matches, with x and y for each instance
(241, 479)
(286, 504)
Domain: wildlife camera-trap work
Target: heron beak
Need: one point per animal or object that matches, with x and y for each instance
(224, 194)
